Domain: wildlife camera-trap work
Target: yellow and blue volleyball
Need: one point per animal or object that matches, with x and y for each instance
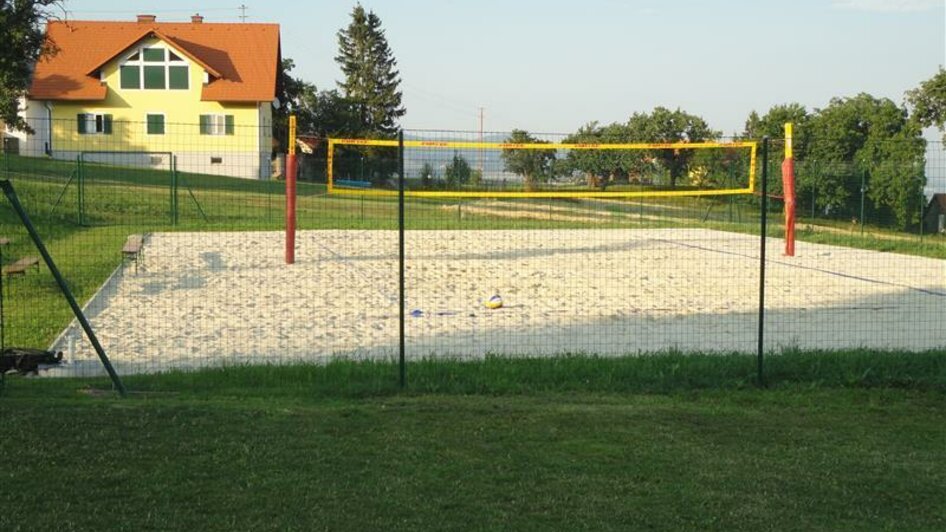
(494, 302)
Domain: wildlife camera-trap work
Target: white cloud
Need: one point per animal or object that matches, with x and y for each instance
(888, 6)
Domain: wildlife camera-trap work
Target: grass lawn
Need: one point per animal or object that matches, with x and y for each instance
(839, 441)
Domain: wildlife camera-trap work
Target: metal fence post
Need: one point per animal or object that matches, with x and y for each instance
(863, 192)
(400, 239)
(3, 323)
(66, 292)
(174, 200)
(80, 181)
(763, 229)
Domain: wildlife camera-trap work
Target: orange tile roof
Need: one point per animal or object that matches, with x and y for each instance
(242, 59)
(151, 32)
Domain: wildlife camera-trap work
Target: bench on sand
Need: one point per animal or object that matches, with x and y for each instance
(132, 250)
(20, 266)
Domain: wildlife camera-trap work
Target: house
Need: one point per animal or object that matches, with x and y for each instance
(134, 93)
(934, 218)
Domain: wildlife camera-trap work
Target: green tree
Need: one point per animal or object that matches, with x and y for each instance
(666, 126)
(427, 176)
(603, 167)
(24, 43)
(929, 102)
(588, 163)
(866, 135)
(322, 113)
(897, 176)
(772, 125)
(476, 177)
(371, 77)
(458, 172)
(535, 166)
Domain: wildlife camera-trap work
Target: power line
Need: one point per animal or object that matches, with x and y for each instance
(243, 9)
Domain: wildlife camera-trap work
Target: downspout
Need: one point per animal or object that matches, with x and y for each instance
(49, 128)
(259, 132)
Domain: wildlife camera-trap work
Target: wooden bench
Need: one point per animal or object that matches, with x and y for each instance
(19, 267)
(132, 250)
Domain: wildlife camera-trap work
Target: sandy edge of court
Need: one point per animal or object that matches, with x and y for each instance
(207, 299)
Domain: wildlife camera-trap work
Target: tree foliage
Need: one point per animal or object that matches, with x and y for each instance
(322, 113)
(603, 167)
(929, 102)
(535, 166)
(427, 176)
(371, 76)
(458, 172)
(588, 163)
(873, 136)
(663, 125)
(23, 44)
(772, 125)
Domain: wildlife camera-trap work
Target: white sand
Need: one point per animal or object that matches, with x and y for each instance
(214, 298)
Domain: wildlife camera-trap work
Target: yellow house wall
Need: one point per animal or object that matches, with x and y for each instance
(181, 109)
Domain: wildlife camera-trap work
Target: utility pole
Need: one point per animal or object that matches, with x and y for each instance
(243, 15)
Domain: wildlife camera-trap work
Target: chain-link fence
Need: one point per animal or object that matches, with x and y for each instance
(174, 248)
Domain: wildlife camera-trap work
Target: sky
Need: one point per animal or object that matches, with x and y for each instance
(552, 66)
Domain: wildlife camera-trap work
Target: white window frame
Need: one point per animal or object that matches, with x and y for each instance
(94, 120)
(140, 63)
(164, 120)
(212, 125)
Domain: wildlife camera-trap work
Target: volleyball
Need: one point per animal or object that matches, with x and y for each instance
(494, 302)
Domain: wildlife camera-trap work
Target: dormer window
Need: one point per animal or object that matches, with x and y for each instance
(154, 68)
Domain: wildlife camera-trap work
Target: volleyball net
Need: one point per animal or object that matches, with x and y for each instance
(460, 168)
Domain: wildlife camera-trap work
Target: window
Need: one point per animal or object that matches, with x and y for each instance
(177, 77)
(153, 55)
(154, 77)
(94, 124)
(216, 125)
(131, 77)
(155, 69)
(155, 124)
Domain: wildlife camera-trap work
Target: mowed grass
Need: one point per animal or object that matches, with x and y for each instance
(849, 440)
(838, 441)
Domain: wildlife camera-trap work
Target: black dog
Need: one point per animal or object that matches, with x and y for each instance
(26, 360)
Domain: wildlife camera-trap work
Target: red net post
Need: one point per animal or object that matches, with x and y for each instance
(788, 186)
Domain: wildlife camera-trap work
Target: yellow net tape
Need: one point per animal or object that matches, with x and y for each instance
(752, 146)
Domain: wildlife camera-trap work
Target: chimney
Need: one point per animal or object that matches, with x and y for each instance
(147, 19)
(197, 19)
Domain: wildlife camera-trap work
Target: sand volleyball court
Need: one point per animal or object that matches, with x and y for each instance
(207, 299)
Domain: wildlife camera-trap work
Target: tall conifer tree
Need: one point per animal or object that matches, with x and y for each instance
(371, 77)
